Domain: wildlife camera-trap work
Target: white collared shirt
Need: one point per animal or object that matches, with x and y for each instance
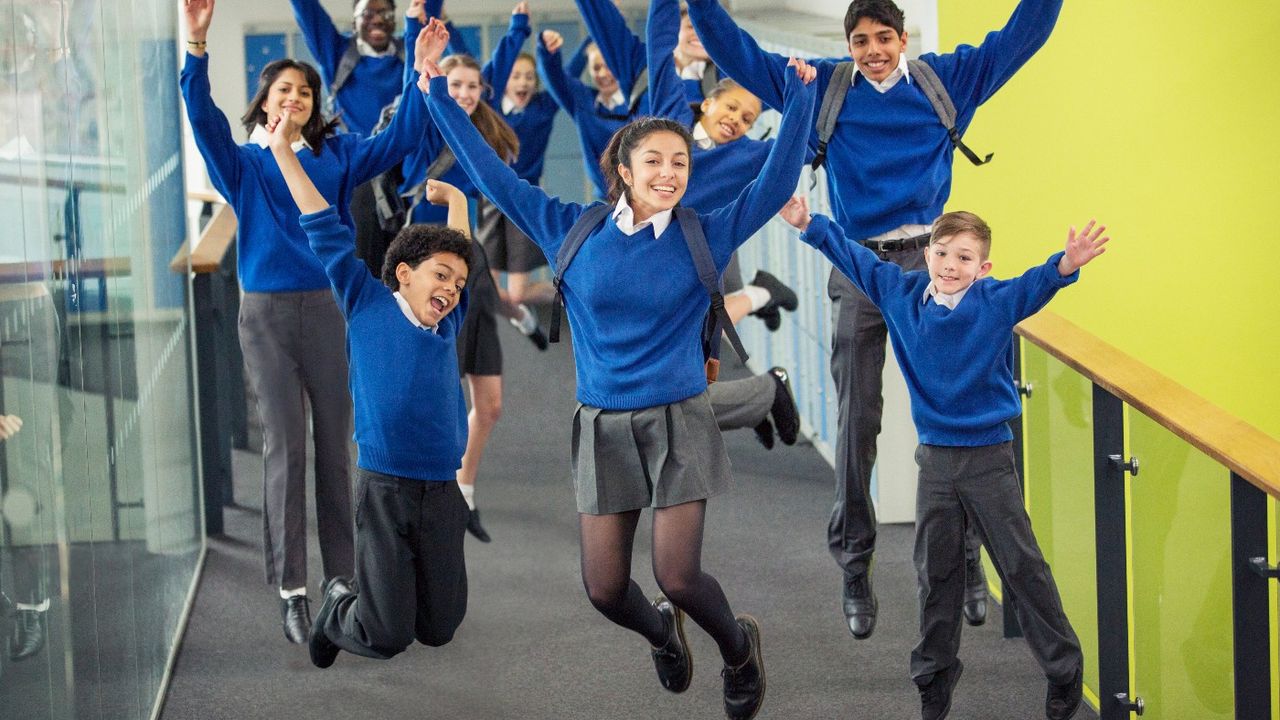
(366, 50)
(261, 138)
(509, 106)
(616, 99)
(883, 86)
(623, 214)
(408, 312)
(948, 301)
(701, 139)
(694, 70)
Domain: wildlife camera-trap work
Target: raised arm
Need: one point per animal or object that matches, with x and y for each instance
(440, 192)
(666, 89)
(731, 225)
(972, 75)
(209, 126)
(497, 71)
(320, 34)
(563, 88)
(542, 218)
(874, 277)
(621, 49)
(578, 61)
(737, 54)
(410, 124)
(1026, 294)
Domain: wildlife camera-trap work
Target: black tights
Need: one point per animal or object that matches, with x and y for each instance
(677, 565)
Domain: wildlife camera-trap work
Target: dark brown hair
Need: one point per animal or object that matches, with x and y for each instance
(625, 141)
(493, 128)
(959, 222)
(884, 12)
(419, 241)
(317, 128)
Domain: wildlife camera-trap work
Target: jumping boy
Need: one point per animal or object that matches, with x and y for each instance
(888, 164)
(411, 428)
(951, 330)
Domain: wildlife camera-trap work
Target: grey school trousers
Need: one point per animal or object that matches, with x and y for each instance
(742, 403)
(857, 363)
(295, 352)
(979, 486)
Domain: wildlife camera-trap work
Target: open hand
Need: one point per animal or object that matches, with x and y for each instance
(806, 72)
(552, 41)
(521, 8)
(417, 10)
(796, 212)
(9, 426)
(440, 192)
(1082, 247)
(199, 14)
(431, 43)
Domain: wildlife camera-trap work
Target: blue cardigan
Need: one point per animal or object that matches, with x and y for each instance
(637, 343)
(889, 159)
(958, 363)
(411, 420)
(273, 251)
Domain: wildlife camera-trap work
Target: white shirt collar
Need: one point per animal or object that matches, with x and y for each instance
(623, 214)
(366, 50)
(899, 73)
(694, 70)
(616, 99)
(260, 137)
(948, 301)
(700, 137)
(408, 312)
(509, 105)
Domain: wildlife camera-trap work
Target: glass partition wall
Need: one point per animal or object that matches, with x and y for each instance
(101, 536)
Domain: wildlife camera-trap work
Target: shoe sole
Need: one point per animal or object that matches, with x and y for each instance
(759, 656)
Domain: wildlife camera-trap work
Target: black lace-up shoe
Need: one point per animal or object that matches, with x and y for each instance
(323, 651)
(860, 605)
(935, 697)
(764, 433)
(975, 592)
(779, 295)
(785, 414)
(475, 528)
(296, 614)
(672, 661)
(28, 634)
(744, 684)
(1062, 701)
(771, 316)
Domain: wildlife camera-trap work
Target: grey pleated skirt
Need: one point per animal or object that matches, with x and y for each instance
(653, 457)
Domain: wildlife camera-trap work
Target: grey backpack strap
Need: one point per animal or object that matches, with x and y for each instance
(717, 317)
(637, 92)
(438, 167)
(940, 99)
(586, 224)
(832, 101)
(346, 66)
(710, 78)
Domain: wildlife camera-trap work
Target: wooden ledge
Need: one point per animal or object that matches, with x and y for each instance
(1246, 450)
(215, 239)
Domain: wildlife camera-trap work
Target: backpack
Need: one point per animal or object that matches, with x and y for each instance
(717, 320)
(833, 100)
(346, 66)
(394, 209)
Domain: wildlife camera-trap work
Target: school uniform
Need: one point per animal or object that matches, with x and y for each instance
(291, 331)
(637, 344)
(961, 409)
(888, 171)
(411, 431)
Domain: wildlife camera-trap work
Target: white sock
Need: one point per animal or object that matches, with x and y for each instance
(286, 594)
(527, 322)
(758, 296)
(468, 494)
(38, 608)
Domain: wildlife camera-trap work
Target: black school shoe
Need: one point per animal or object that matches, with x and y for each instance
(672, 661)
(975, 592)
(785, 414)
(28, 634)
(859, 603)
(475, 528)
(1062, 701)
(295, 614)
(935, 697)
(764, 433)
(780, 296)
(322, 650)
(744, 684)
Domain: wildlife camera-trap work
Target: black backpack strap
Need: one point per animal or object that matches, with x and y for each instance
(832, 101)
(586, 224)
(717, 318)
(442, 164)
(940, 99)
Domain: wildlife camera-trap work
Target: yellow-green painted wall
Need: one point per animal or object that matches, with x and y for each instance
(1161, 118)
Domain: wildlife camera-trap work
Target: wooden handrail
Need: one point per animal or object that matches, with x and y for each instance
(215, 239)
(209, 196)
(1246, 450)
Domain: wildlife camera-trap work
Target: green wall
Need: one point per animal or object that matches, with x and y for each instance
(1159, 118)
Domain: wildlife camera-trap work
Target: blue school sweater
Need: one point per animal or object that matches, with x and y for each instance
(375, 81)
(637, 343)
(595, 123)
(889, 159)
(533, 126)
(621, 49)
(958, 363)
(411, 420)
(273, 251)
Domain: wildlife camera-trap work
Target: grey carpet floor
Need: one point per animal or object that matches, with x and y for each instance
(533, 647)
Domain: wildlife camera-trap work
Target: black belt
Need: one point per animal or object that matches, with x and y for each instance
(914, 242)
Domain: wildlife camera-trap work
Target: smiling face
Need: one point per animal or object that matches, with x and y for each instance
(434, 288)
(522, 83)
(876, 48)
(955, 262)
(729, 115)
(657, 174)
(465, 87)
(289, 91)
(689, 45)
(601, 76)
(375, 22)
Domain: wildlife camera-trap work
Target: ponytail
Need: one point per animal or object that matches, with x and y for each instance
(625, 141)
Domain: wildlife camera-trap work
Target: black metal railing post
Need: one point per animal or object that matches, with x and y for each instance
(1251, 618)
